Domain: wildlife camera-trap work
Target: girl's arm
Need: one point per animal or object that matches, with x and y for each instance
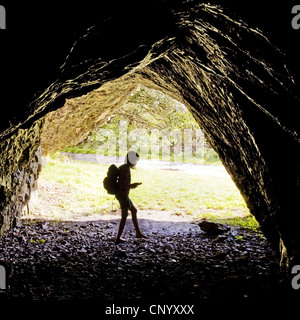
(124, 180)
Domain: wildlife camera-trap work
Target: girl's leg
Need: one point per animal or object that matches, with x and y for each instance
(135, 222)
(122, 225)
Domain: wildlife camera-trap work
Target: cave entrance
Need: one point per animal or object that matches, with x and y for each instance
(71, 233)
(183, 178)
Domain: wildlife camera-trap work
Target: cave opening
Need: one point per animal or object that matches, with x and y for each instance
(78, 246)
(167, 138)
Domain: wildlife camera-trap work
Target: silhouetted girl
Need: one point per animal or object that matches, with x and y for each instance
(124, 186)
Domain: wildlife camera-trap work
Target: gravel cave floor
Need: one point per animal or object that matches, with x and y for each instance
(77, 261)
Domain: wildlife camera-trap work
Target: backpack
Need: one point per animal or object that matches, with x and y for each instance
(110, 182)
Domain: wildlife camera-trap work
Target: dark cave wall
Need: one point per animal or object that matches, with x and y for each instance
(20, 164)
(231, 77)
(238, 94)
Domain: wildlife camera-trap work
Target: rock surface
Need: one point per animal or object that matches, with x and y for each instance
(20, 164)
(212, 228)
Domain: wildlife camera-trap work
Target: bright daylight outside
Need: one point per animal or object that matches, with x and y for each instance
(182, 177)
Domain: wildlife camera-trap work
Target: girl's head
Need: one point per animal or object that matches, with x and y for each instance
(132, 158)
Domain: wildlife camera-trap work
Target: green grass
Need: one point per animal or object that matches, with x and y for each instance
(85, 180)
(169, 190)
(205, 197)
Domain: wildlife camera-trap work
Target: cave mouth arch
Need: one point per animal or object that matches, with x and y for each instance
(183, 136)
(230, 76)
(58, 135)
(83, 252)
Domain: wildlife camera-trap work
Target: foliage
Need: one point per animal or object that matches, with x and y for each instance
(152, 109)
(156, 126)
(37, 241)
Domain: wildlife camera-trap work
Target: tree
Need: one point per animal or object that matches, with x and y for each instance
(149, 117)
(152, 109)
